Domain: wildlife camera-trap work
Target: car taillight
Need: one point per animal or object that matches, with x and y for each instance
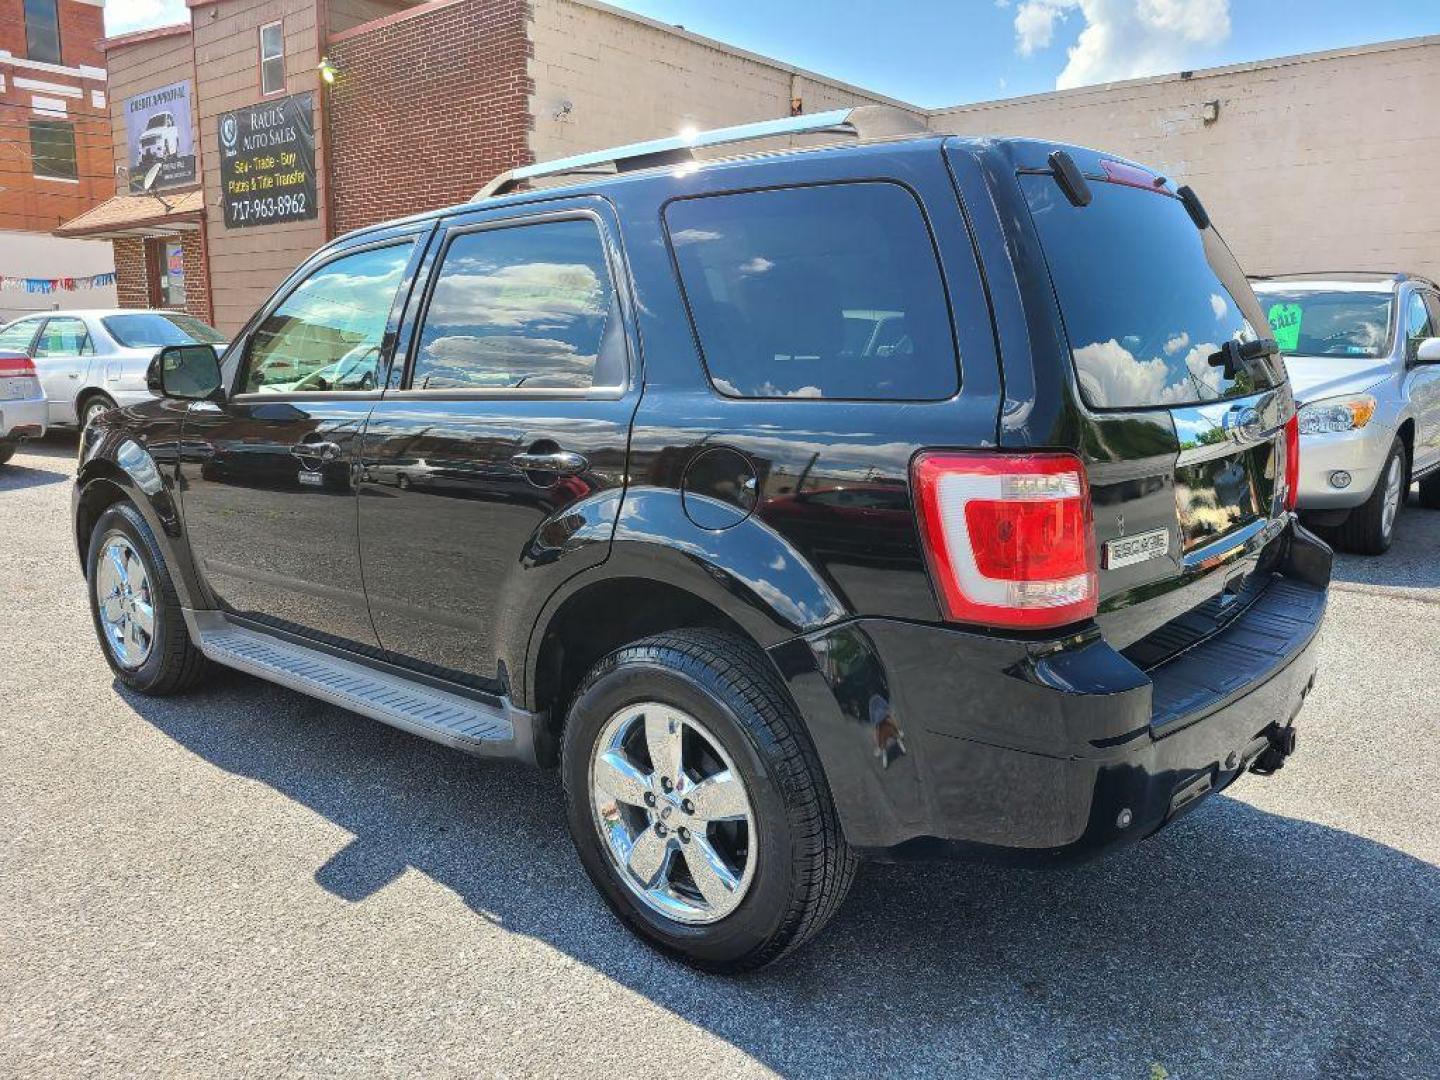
(16, 367)
(1009, 537)
(1292, 461)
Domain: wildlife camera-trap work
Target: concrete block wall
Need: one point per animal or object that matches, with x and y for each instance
(629, 78)
(1321, 161)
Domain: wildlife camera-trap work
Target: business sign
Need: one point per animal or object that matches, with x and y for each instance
(157, 126)
(267, 163)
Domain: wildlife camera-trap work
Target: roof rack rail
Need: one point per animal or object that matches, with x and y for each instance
(1388, 275)
(861, 122)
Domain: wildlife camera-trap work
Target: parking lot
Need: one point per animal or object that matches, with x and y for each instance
(250, 882)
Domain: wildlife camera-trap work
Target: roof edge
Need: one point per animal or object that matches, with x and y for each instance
(746, 54)
(137, 36)
(1394, 45)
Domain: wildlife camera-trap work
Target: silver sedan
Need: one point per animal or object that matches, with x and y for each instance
(91, 361)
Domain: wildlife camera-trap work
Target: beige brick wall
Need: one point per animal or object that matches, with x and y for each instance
(1326, 161)
(630, 78)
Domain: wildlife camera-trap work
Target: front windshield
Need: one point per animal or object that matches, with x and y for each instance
(1328, 321)
(152, 329)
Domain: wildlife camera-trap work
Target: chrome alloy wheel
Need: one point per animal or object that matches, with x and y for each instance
(127, 607)
(673, 813)
(1394, 493)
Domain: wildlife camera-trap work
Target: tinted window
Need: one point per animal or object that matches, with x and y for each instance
(17, 336)
(531, 306)
(1327, 322)
(42, 31)
(1417, 324)
(328, 333)
(52, 149)
(63, 337)
(823, 292)
(152, 329)
(1147, 298)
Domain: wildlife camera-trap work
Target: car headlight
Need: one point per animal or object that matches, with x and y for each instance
(1337, 414)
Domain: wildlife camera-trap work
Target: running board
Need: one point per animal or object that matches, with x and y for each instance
(377, 692)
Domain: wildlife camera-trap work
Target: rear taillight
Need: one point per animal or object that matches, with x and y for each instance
(16, 367)
(1009, 537)
(1292, 461)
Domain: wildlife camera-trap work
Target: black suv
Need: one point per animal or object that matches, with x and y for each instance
(903, 497)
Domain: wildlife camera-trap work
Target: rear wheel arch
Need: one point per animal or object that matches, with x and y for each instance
(88, 397)
(594, 621)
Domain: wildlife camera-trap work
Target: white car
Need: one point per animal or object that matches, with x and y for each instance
(159, 140)
(22, 403)
(91, 361)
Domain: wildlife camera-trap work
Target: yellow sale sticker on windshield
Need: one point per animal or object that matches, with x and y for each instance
(1285, 325)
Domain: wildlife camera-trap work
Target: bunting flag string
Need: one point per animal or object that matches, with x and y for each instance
(50, 285)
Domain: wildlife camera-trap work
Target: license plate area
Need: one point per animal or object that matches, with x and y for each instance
(1129, 550)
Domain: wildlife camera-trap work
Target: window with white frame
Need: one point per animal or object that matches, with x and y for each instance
(272, 58)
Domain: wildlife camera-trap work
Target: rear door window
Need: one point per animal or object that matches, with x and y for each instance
(528, 307)
(816, 292)
(1147, 298)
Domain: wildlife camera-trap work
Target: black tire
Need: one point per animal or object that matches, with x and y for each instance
(95, 403)
(1429, 491)
(173, 663)
(803, 866)
(7, 451)
(1364, 532)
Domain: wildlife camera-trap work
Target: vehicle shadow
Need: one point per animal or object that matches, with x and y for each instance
(1409, 565)
(21, 471)
(18, 477)
(1238, 943)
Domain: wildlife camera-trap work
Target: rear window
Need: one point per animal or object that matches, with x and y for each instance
(1328, 322)
(152, 330)
(1147, 298)
(817, 292)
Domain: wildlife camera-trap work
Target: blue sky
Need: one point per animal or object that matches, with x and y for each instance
(945, 52)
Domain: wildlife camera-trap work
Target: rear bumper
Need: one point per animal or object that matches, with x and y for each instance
(938, 742)
(22, 418)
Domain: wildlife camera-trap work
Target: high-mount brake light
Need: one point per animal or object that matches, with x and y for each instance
(1009, 537)
(1117, 172)
(1292, 461)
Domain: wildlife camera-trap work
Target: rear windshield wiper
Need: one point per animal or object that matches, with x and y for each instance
(1237, 356)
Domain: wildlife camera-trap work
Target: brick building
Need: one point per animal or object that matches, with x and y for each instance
(55, 156)
(430, 100)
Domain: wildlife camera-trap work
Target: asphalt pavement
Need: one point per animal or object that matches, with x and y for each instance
(247, 882)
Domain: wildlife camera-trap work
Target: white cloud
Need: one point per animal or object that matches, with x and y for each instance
(1176, 343)
(1218, 305)
(1112, 375)
(1122, 39)
(124, 16)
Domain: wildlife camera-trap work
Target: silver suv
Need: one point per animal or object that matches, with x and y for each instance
(1363, 352)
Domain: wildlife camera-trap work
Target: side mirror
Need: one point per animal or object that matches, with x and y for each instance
(187, 372)
(1428, 351)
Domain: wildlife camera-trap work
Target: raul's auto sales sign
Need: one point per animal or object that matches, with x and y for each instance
(267, 162)
(158, 138)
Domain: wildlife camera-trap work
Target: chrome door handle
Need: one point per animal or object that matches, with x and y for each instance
(559, 462)
(321, 451)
